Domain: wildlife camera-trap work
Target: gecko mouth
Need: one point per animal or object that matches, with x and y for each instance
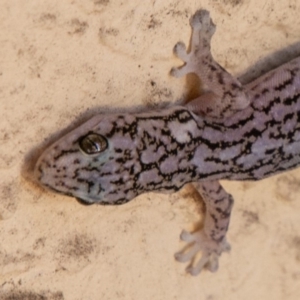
(84, 202)
(51, 188)
(80, 200)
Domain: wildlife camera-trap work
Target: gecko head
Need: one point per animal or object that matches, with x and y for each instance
(95, 162)
(112, 158)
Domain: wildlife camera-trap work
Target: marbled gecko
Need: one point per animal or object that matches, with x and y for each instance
(232, 132)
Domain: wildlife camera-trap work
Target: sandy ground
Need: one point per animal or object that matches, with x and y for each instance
(62, 60)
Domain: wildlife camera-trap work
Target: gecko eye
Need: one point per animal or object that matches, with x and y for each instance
(93, 143)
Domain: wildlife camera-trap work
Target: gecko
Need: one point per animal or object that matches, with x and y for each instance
(231, 132)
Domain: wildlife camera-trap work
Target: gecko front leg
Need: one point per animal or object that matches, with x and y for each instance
(211, 239)
(224, 95)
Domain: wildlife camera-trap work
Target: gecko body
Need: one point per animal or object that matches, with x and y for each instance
(232, 132)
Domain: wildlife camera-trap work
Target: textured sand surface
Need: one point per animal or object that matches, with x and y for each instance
(61, 61)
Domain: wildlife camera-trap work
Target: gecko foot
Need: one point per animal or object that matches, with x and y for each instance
(200, 242)
(203, 30)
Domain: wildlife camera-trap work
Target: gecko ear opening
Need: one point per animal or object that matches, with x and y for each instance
(93, 144)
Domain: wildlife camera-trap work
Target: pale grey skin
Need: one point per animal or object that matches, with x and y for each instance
(230, 132)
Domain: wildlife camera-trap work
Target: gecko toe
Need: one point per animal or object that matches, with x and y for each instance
(201, 21)
(180, 51)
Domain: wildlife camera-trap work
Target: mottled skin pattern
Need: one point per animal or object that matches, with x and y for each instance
(231, 132)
